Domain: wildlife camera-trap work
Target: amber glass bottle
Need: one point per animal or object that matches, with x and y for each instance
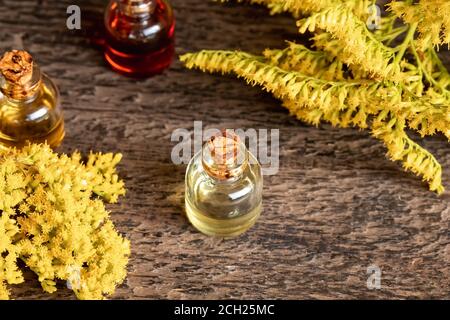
(29, 103)
(139, 36)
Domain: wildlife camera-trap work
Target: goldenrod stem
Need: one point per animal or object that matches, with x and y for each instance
(423, 70)
(408, 38)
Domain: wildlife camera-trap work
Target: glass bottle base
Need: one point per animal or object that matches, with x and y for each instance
(140, 65)
(225, 228)
(53, 139)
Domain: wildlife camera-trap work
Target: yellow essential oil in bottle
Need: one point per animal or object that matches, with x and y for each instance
(223, 187)
(29, 103)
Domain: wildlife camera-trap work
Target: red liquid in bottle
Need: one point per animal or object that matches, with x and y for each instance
(139, 36)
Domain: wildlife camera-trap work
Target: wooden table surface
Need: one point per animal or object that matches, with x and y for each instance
(337, 205)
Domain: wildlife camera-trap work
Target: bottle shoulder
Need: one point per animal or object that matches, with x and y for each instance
(47, 96)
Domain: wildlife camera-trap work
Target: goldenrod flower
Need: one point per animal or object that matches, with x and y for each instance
(53, 218)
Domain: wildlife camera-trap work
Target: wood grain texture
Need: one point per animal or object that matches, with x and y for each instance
(336, 206)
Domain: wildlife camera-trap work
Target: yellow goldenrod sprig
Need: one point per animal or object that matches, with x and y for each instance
(53, 218)
(297, 57)
(354, 77)
(358, 45)
(342, 103)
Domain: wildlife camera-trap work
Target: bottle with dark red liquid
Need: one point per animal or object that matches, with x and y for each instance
(139, 36)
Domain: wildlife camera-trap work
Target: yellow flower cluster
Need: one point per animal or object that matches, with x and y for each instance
(432, 19)
(52, 217)
(297, 57)
(354, 77)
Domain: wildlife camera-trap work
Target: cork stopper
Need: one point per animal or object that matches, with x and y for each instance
(19, 73)
(17, 67)
(224, 156)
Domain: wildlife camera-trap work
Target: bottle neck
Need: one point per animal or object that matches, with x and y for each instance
(224, 157)
(22, 91)
(137, 8)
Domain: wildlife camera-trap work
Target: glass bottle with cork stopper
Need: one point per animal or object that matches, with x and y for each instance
(139, 36)
(223, 187)
(30, 110)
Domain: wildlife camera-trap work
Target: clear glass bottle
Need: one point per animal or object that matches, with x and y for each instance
(30, 110)
(139, 36)
(223, 187)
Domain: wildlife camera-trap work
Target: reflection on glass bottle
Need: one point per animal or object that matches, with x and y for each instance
(139, 36)
(29, 103)
(223, 187)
